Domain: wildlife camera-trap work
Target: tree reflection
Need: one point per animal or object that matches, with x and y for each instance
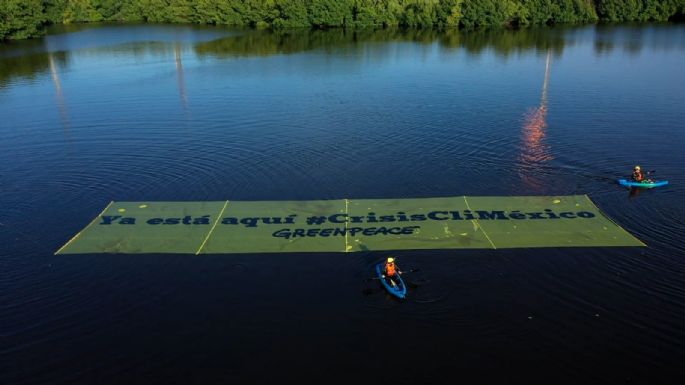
(264, 43)
(28, 59)
(27, 66)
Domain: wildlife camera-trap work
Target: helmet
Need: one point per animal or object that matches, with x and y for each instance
(391, 259)
(637, 167)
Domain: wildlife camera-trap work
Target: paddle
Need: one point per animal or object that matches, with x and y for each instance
(647, 173)
(400, 272)
(409, 271)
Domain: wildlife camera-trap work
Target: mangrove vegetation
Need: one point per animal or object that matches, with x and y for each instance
(20, 19)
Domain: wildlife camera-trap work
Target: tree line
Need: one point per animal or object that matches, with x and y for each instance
(20, 19)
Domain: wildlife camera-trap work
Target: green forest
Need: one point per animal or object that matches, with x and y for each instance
(21, 19)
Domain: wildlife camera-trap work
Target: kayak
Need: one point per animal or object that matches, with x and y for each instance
(394, 285)
(630, 183)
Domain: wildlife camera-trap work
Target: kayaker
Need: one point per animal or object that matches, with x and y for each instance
(637, 175)
(390, 269)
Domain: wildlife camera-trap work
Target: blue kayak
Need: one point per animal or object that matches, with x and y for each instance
(652, 184)
(394, 285)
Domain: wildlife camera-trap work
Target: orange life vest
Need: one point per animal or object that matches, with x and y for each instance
(389, 269)
(637, 176)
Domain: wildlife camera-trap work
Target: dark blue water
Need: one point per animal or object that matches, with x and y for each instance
(144, 113)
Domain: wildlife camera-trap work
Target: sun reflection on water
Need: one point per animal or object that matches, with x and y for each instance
(534, 149)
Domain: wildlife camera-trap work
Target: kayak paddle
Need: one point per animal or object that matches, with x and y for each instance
(401, 272)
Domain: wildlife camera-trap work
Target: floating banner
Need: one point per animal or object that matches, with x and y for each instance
(348, 225)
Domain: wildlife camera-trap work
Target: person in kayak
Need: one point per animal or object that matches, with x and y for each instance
(637, 175)
(390, 268)
(390, 271)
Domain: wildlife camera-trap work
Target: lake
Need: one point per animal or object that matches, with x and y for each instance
(91, 114)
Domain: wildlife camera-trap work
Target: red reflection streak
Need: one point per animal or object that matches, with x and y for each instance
(534, 150)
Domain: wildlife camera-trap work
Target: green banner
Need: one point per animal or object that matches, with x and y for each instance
(347, 225)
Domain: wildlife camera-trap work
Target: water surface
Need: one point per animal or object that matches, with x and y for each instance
(143, 113)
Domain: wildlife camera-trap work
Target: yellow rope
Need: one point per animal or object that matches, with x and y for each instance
(347, 226)
(79, 233)
(218, 218)
(475, 221)
(612, 221)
